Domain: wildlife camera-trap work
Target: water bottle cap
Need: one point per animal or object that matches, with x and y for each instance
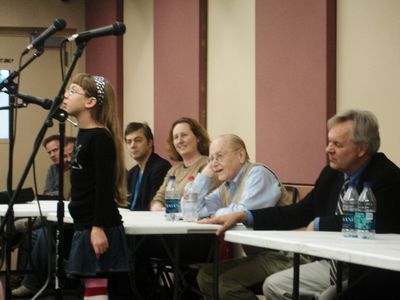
(172, 177)
(190, 178)
(366, 184)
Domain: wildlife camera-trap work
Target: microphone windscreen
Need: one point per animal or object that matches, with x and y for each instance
(119, 28)
(59, 24)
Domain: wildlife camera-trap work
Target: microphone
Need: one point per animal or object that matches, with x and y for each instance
(59, 24)
(116, 28)
(45, 103)
(62, 115)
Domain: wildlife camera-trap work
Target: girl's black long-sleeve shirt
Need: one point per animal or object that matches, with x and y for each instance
(93, 180)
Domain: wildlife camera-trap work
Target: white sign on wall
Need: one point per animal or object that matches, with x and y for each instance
(4, 102)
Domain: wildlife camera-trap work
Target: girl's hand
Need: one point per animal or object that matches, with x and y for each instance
(98, 240)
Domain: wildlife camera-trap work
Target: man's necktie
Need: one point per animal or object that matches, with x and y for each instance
(339, 211)
(136, 191)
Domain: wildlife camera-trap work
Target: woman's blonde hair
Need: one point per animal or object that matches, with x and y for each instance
(105, 113)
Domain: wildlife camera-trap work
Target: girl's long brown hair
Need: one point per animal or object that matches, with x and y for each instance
(106, 115)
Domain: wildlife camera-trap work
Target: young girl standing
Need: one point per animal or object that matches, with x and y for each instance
(97, 183)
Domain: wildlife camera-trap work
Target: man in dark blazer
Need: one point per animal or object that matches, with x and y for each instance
(146, 177)
(353, 142)
(143, 181)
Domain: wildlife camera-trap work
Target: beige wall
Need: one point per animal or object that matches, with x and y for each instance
(42, 78)
(41, 13)
(368, 64)
(138, 64)
(231, 67)
(231, 70)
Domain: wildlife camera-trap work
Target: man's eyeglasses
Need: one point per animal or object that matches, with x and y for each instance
(220, 156)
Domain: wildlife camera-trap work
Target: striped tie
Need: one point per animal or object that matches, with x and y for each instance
(339, 211)
(339, 206)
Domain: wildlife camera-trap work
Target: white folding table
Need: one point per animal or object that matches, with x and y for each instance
(154, 223)
(381, 252)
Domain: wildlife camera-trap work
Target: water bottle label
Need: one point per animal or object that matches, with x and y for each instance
(348, 220)
(369, 216)
(172, 206)
(365, 221)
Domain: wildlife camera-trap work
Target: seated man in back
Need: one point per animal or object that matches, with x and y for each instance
(37, 249)
(52, 147)
(143, 182)
(245, 186)
(144, 179)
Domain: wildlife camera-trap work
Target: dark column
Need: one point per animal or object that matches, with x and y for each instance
(180, 29)
(295, 85)
(104, 55)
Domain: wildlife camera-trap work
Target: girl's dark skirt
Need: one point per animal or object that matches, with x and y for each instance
(83, 261)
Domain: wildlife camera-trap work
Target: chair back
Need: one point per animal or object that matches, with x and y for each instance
(25, 195)
(298, 191)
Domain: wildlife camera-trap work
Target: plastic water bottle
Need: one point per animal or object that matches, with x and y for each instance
(172, 200)
(189, 202)
(350, 200)
(365, 213)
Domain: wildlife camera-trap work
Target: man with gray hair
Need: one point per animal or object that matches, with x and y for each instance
(353, 142)
(245, 186)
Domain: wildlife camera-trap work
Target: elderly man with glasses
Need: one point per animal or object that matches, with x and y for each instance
(246, 186)
(353, 157)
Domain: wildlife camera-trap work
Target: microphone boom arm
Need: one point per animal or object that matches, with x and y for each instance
(42, 132)
(9, 80)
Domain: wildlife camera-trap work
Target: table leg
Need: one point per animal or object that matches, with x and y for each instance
(296, 273)
(176, 268)
(339, 280)
(9, 231)
(216, 268)
(174, 257)
(133, 246)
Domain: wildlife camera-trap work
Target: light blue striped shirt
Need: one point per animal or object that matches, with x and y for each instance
(261, 189)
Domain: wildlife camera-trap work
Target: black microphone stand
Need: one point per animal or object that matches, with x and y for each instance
(12, 88)
(53, 113)
(60, 207)
(59, 275)
(10, 230)
(9, 80)
(61, 116)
